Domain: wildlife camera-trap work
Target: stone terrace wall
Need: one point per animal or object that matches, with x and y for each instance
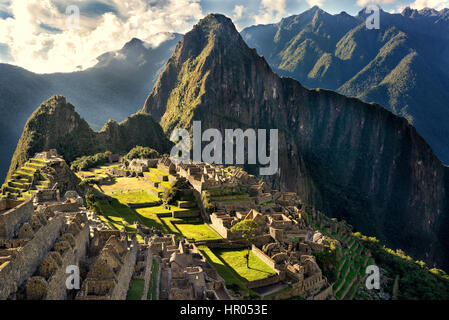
(323, 295)
(263, 282)
(6, 204)
(126, 272)
(11, 220)
(262, 256)
(29, 258)
(65, 207)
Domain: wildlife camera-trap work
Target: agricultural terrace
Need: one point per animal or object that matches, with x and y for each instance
(129, 191)
(352, 262)
(132, 201)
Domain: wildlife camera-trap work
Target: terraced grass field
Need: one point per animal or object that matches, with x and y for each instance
(231, 266)
(236, 260)
(230, 277)
(198, 231)
(129, 190)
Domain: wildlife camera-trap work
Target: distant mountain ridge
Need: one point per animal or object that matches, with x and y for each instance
(403, 66)
(350, 159)
(113, 89)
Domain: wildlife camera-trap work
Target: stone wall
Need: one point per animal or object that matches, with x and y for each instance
(186, 214)
(262, 256)
(314, 282)
(6, 204)
(65, 207)
(47, 195)
(57, 282)
(12, 220)
(29, 258)
(234, 205)
(263, 282)
(147, 275)
(126, 272)
(323, 295)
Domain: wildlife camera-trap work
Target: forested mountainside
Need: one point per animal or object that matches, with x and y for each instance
(403, 66)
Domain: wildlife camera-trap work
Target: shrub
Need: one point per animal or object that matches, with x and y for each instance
(87, 162)
(170, 195)
(142, 153)
(91, 201)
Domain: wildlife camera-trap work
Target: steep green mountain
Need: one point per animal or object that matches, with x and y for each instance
(56, 125)
(350, 159)
(404, 66)
(112, 89)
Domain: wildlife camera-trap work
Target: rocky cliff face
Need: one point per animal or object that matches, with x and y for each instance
(56, 125)
(350, 159)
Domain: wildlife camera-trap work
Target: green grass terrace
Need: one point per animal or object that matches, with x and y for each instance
(231, 265)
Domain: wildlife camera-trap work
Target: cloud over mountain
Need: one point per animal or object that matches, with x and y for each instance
(38, 38)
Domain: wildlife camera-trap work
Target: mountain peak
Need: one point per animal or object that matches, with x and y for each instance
(212, 51)
(217, 18)
(216, 24)
(134, 42)
(52, 105)
(428, 12)
(314, 9)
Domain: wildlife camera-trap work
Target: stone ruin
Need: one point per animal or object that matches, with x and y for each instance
(111, 273)
(185, 272)
(41, 237)
(296, 265)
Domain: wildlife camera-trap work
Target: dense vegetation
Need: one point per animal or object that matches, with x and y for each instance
(416, 280)
(88, 162)
(140, 152)
(328, 260)
(170, 195)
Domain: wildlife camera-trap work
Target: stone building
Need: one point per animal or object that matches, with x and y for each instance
(110, 275)
(185, 272)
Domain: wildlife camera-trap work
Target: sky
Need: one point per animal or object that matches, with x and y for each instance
(46, 36)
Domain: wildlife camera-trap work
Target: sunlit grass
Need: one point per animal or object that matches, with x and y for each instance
(236, 260)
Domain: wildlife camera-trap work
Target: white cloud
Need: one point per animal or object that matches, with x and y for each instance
(315, 2)
(363, 3)
(238, 12)
(37, 49)
(436, 4)
(270, 11)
